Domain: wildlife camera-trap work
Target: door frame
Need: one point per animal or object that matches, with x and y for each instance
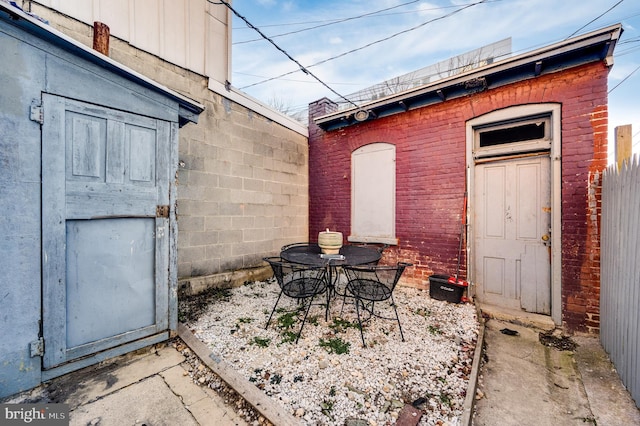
(553, 110)
(54, 271)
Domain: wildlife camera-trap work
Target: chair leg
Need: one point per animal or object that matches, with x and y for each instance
(344, 299)
(273, 310)
(393, 303)
(360, 322)
(304, 319)
(326, 312)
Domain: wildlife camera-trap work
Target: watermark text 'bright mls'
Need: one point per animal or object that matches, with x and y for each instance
(36, 414)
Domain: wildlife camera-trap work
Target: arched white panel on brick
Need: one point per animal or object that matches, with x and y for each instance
(373, 194)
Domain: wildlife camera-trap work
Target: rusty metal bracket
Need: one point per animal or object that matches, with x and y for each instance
(162, 211)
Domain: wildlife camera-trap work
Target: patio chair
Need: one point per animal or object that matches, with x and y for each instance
(369, 284)
(300, 282)
(339, 286)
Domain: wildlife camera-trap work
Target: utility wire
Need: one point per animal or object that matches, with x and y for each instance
(369, 44)
(339, 21)
(302, 68)
(624, 79)
(630, 40)
(333, 22)
(626, 51)
(594, 19)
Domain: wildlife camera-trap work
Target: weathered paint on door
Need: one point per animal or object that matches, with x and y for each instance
(512, 230)
(105, 253)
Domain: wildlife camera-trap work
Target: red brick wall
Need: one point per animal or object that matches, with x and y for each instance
(430, 181)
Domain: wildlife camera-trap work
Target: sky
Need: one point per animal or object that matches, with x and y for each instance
(350, 45)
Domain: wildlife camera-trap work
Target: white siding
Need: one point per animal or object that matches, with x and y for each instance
(193, 34)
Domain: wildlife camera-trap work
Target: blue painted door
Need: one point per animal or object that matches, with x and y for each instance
(105, 194)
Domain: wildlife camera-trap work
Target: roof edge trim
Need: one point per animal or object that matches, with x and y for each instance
(437, 91)
(189, 109)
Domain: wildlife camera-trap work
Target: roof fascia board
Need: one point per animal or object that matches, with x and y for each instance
(608, 36)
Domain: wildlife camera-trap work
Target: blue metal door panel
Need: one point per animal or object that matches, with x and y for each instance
(113, 279)
(105, 250)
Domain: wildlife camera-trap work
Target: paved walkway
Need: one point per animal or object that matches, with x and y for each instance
(523, 382)
(151, 387)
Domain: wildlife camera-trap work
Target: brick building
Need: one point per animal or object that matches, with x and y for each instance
(525, 138)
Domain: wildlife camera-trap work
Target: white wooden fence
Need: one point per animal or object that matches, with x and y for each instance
(620, 272)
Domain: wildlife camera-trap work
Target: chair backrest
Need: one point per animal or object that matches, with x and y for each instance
(292, 245)
(374, 282)
(297, 280)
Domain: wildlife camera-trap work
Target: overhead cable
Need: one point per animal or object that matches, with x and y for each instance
(624, 79)
(372, 43)
(339, 21)
(594, 19)
(351, 18)
(301, 67)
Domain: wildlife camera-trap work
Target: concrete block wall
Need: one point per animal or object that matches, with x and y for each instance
(430, 180)
(242, 178)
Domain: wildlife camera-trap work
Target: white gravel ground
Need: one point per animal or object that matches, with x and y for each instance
(363, 386)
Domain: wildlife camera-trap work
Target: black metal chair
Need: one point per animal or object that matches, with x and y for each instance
(369, 284)
(301, 282)
(339, 285)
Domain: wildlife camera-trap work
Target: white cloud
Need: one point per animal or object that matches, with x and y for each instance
(266, 3)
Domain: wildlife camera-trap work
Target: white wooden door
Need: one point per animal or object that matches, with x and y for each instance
(105, 232)
(512, 234)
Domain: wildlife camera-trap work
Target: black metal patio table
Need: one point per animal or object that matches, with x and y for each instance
(311, 254)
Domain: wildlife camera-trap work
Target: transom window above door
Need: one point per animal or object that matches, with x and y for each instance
(530, 134)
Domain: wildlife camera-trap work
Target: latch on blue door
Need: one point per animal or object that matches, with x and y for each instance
(162, 211)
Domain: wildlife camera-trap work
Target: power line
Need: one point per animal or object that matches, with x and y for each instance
(626, 51)
(329, 21)
(624, 79)
(293, 80)
(630, 40)
(372, 43)
(594, 19)
(321, 24)
(302, 68)
(334, 22)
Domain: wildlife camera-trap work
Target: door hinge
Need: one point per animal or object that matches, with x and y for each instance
(36, 112)
(162, 211)
(37, 347)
